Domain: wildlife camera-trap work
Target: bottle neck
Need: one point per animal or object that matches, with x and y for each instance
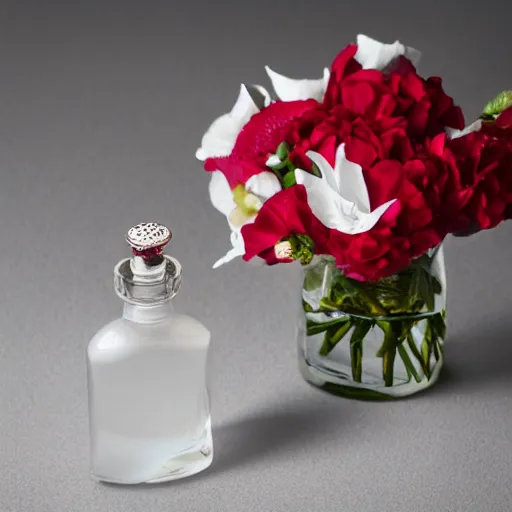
(147, 314)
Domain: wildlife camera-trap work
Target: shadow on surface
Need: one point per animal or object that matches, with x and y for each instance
(264, 435)
(476, 358)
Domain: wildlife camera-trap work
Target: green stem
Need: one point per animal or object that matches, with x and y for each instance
(356, 346)
(356, 357)
(388, 363)
(414, 349)
(333, 336)
(390, 338)
(435, 349)
(409, 365)
(426, 352)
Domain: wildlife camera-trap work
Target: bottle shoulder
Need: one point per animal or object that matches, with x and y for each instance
(187, 325)
(178, 331)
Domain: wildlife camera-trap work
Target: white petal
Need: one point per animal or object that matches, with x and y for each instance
(334, 211)
(259, 95)
(326, 204)
(264, 185)
(245, 106)
(220, 137)
(291, 89)
(272, 161)
(372, 54)
(473, 127)
(325, 169)
(368, 220)
(413, 55)
(350, 180)
(221, 194)
(238, 250)
(230, 255)
(201, 154)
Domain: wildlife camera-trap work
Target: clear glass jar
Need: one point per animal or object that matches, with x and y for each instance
(373, 341)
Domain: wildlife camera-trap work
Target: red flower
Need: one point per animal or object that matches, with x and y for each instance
(377, 115)
(432, 195)
(393, 125)
(285, 214)
(258, 139)
(403, 233)
(485, 162)
(504, 120)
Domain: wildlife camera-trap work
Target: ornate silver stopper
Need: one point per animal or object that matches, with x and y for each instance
(148, 235)
(149, 277)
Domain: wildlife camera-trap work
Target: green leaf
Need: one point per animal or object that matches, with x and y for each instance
(429, 296)
(289, 179)
(333, 336)
(436, 285)
(361, 329)
(314, 277)
(496, 106)
(313, 328)
(282, 151)
(328, 304)
(279, 166)
(409, 365)
(364, 294)
(438, 325)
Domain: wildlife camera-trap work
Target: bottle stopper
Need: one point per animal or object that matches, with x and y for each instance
(149, 277)
(148, 240)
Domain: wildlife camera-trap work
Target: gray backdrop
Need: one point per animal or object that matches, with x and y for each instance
(102, 106)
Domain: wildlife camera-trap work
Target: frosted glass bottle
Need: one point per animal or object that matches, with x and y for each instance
(149, 406)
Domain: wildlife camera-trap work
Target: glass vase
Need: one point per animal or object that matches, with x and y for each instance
(373, 341)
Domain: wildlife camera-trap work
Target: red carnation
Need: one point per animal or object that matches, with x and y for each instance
(432, 196)
(485, 162)
(377, 115)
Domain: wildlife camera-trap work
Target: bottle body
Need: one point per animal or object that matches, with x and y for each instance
(148, 397)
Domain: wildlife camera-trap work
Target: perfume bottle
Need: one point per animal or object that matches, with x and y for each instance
(149, 411)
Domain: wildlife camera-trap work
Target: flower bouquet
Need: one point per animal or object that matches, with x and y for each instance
(360, 175)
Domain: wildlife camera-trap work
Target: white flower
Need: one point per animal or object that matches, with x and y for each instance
(372, 54)
(473, 127)
(238, 213)
(291, 89)
(220, 137)
(339, 199)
